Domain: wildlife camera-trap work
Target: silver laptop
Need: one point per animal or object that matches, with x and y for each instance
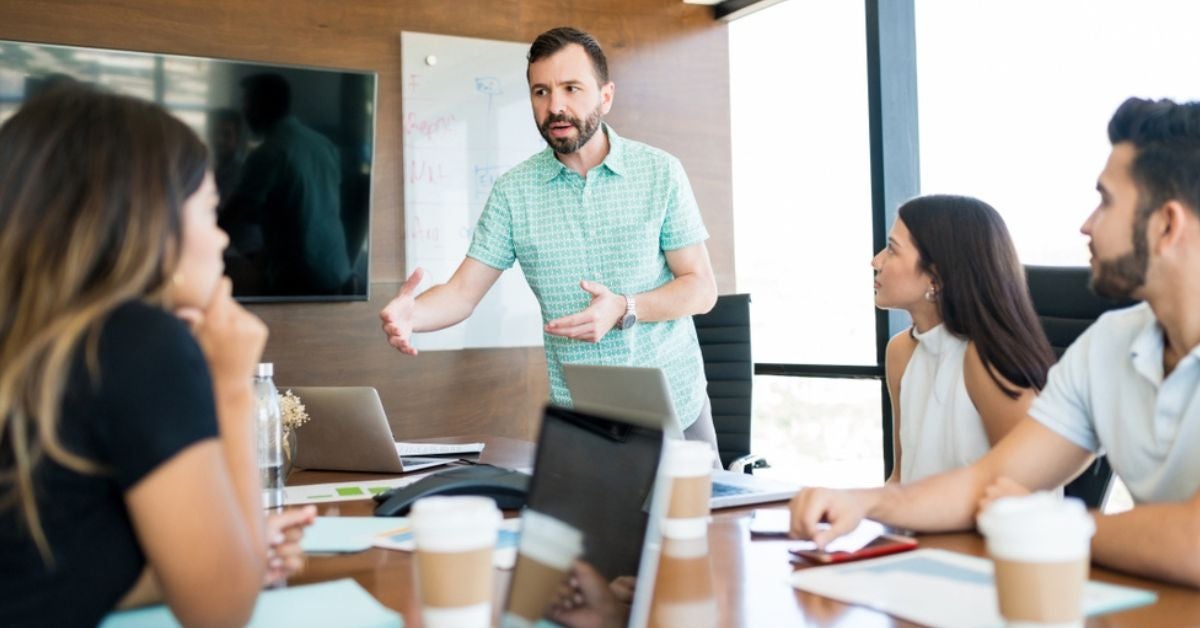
(632, 392)
(348, 431)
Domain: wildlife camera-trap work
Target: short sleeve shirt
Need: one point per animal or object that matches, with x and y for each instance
(150, 398)
(1108, 395)
(612, 227)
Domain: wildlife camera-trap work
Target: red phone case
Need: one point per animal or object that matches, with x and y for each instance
(882, 546)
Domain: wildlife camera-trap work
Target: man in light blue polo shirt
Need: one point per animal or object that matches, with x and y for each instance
(607, 232)
(1129, 387)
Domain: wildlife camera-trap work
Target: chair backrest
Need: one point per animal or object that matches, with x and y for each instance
(1066, 307)
(1064, 303)
(724, 335)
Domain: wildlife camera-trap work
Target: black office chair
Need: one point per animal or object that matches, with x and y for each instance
(724, 335)
(1066, 307)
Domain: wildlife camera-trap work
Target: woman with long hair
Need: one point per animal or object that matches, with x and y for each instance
(975, 357)
(126, 445)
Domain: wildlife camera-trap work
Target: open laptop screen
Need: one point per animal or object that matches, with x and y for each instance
(598, 476)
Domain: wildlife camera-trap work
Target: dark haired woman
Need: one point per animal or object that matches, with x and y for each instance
(969, 367)
(128, 469)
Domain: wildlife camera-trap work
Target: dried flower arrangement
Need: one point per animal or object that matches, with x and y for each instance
(294, 414)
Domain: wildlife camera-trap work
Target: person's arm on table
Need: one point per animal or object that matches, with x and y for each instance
(1031, 455)
(1157, 540)
(437, 308)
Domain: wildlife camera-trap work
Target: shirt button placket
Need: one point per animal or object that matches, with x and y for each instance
(589, 228)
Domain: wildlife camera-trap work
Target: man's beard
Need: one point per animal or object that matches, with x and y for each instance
(566, 145)
(1119, 278)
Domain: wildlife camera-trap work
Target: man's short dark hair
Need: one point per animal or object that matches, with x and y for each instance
(1167, 138)
(269, 93)
(556, 39)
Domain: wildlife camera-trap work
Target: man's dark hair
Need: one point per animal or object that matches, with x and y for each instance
(556, 39)
(268, 96)
(1167, 138)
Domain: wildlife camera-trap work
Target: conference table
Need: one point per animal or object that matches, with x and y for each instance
(750, 576)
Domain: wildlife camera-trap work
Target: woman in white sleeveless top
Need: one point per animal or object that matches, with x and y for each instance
(966, 371)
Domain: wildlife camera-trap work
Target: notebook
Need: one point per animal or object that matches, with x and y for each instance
(642, 394)
(349, 431)
(337, 603)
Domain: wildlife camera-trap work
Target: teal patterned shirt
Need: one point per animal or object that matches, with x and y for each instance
(611, 227)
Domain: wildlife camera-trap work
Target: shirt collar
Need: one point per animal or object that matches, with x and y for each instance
(615, 159)
(1146, 351)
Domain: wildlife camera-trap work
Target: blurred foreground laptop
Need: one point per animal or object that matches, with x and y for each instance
(642, 394)
(349, 431)
(598, 475)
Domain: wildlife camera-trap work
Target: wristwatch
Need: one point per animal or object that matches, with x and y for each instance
(630, 317)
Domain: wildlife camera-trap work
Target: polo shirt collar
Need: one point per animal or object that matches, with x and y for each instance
(551, 167)
(1146, 352)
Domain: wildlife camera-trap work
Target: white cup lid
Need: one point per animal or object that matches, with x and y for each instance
(688, 458)
(1041, 527)
(454, 524)
(549, 540)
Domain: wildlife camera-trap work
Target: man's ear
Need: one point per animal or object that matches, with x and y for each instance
(607, 91)
(1169, 226)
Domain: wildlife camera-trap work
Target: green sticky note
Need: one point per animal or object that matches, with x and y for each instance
(349, 491)
(375, 490)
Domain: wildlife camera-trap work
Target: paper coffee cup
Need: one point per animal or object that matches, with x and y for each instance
(688, 467)
(545, 553)
(683, 585)
(455, 538)
(1040, 547)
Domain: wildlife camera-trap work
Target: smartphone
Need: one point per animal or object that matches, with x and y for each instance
(883, 545)
(770, 523)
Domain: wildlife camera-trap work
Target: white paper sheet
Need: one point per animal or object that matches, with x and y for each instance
(940, 588)
(437, 449)
(343, 491)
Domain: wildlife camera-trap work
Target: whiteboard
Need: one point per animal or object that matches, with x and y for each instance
(467, 120)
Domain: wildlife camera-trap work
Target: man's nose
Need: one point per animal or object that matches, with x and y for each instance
(557, 103)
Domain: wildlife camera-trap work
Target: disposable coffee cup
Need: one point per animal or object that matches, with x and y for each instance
(455, 538)
(1040, 547)
(545, 553)
(689, 465)
(683, 585)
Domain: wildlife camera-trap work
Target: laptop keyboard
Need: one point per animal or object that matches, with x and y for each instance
(726, 490)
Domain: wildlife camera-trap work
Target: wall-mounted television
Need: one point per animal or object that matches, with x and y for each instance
(291, 149)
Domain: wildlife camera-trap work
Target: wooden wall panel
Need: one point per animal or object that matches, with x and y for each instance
(669, 61)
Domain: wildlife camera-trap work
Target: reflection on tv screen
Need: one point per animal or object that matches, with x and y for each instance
(290, 149)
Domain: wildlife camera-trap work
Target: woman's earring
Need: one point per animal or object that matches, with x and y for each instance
(930, 294)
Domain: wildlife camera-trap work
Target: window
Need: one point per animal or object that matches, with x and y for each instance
(803, 235)
(1015, 99)
(1015, 110)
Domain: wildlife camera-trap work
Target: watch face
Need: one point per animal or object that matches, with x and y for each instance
(628, 321)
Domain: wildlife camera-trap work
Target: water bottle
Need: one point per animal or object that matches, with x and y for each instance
(268, 427)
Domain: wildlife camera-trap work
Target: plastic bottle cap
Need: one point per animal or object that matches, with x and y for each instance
(265, 369)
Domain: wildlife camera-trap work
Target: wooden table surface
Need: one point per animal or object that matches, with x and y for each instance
(751, 577)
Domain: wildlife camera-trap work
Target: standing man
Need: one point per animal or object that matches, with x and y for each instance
(1129, 386)
(607, 231)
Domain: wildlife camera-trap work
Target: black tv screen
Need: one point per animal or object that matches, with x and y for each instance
(291, 150)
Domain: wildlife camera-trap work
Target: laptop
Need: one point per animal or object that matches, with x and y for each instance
(598, 475)
(642, 394)
(349, 431)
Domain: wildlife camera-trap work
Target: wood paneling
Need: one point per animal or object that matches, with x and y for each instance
(669, 61)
